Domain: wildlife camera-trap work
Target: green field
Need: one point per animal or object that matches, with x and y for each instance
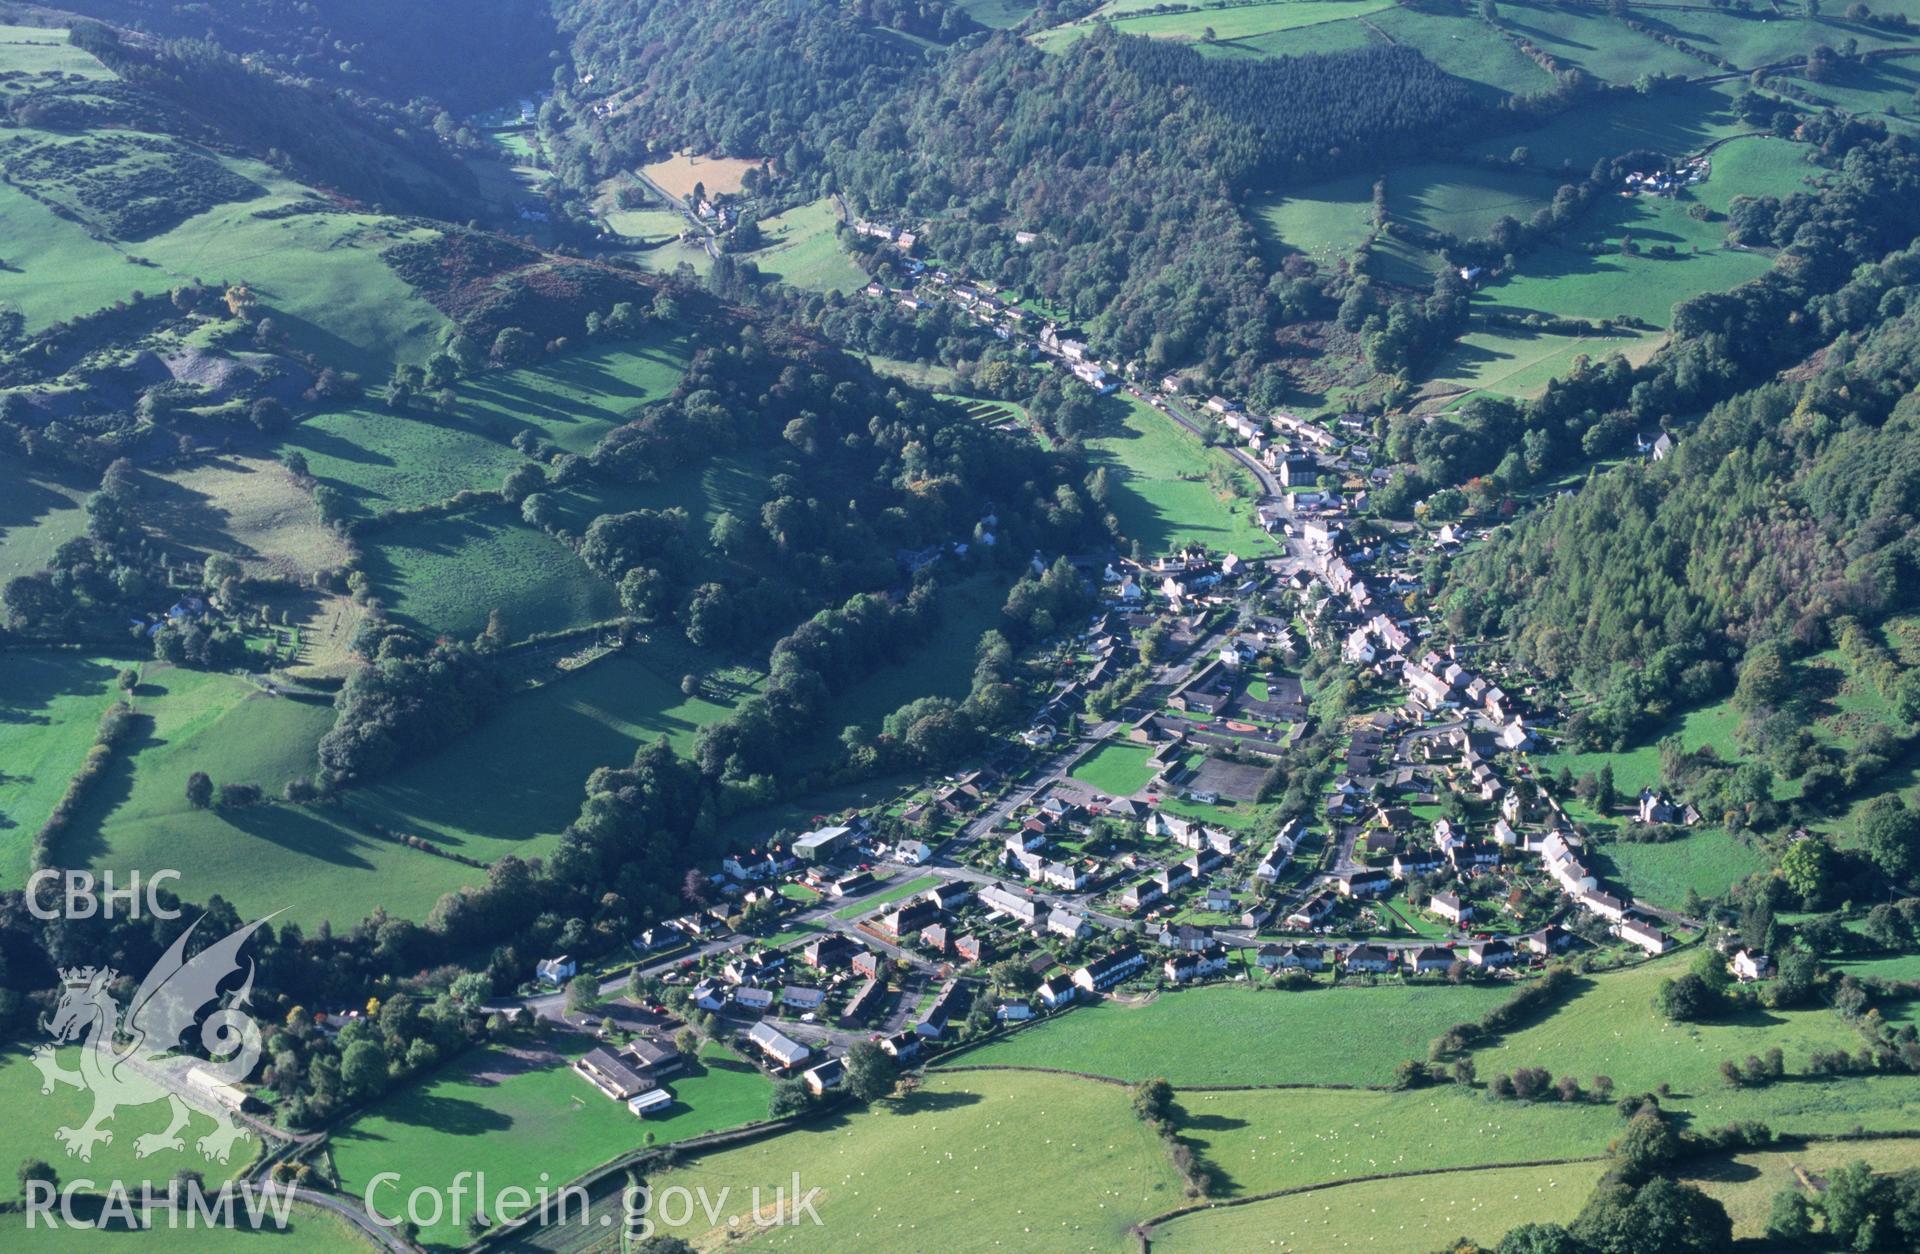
(1565, 281)
(1884, 87)
(514, 783)
(28, 1132)
(1746, 1183)
(1612, 1029)
(309, 1230)
(1519, 362)
(1118, 769)
(968, 1162)
(444, 575)
(1708, 725)
(524, 1123)
(1325, 222)
(1160, 491)
(1253, 1037)
(1464, 200)
(1463, 46)
(1411, 1215)
(803, 250)
(940, 667)
(899, 892)
(576, 398)
(1676, 120)
(1594, 41)
(1000, 14)
(38, 514)
(1264, 1140)
(1708, 861)
(305, 861)
(383, 461)
(50, 704)
(1245, 21)
(647, 224)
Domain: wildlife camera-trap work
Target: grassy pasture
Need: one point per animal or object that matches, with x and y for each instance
(513, 783)
(1757, 166)
(1416, 1214)
(999, 14)
(677, 174)
(32, 1117)
(525, 1122)
(1464, 200)
(248, 507)
(1246, 21)
(1326, 222)
(1518, 362)
(1464, 47)
(1256, 1037)
(1612, 1028)
(271, 857)
(1883, 87)
(1117, 769)
(967, 1162)
(1596, 42)
(575, 399)
(382, 460)
(309, 1230)
(1709, 861)
(1160, 490)
(646, 224)
(50, 704)
(735, 482)
(1746, 1183)
(1676, 120)
(38, 514)
(443, 575)
(1264, 1140)
(941, 667)
(803, 250)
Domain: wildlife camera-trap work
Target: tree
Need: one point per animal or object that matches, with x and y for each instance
(522, 482)
(1540, 1239)
(1648, 1144)
(871, 1074)
(790, 1097)
(363, 1070)
(1890, 834)
(515, 346)
(1153, 1100)
(583, 994)
(38, 1169)
(1807, 868)
(1790, 1221)
(199, 790)
(1604, 792)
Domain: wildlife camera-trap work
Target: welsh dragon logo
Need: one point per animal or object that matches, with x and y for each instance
(122, 1062)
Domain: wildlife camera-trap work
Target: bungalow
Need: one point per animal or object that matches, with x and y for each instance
(1368, 958)
(1207, 962)
(1311, 911)
(1430, 958)
(1645, 935)
(1490, 954)
(1013, 1012)
(912, 853)
(1450, 907)
(830, 1074)
(1057, 992)
(611, 1076)
(643, 1104)
(801, 998)
(759, 1000)
(783, 1050)
(1104, 972)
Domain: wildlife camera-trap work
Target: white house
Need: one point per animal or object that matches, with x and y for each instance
(556, 971)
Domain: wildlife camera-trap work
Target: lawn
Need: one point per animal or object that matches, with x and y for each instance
(1411, 1215)
(1160, 490)
(1463, 46)
(1246, 21)
(1640, 767)
(250, 508)
(1611, 1028)
(513, 784)
(1596, 42)
(1000, 14)
(32, 1117)
(803, 250)
(50, 706)
(1465, 200)
(382, 460)
(1676, 120)
(1746, 1183)
(1325, 222)
(1519, 362)
(942, 666)
(1708, 861)
(38, 514)
(576, 398)
(1263, 1140)
(1257, 1037)
(309, 1230)
(527, 1125)
(968, 1162)
(445, 575)
(1118, 769)
(899, 892)
(306, 861)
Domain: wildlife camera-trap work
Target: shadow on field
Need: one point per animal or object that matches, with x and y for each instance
(80, 843)
(299, 832)
(30, 682)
